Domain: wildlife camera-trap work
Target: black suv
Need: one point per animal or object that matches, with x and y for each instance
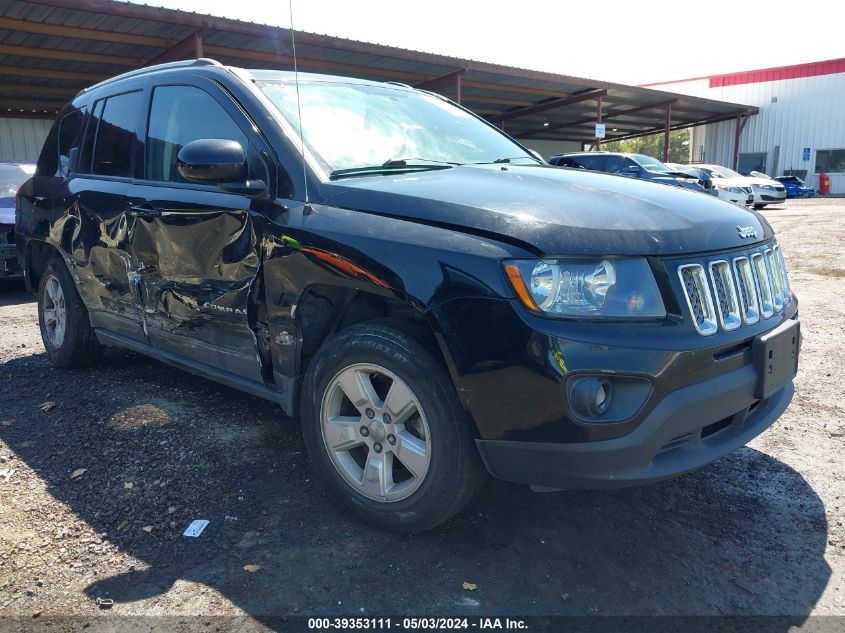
(631, 165)
(433, 302)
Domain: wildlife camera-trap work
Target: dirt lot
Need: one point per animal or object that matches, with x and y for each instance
(758, 533)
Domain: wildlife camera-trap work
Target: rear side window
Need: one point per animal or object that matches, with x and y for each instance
(179, 115)
(115, 140)
(65, 135)
(70, 135)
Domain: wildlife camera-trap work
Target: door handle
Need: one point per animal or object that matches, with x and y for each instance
(144, 211)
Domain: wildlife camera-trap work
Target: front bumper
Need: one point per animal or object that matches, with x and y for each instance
(742, 199)
(691, 427)
(769, 197)
(513, 370)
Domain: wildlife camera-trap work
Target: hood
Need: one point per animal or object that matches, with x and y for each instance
(674, 178)
(7, 210)
(761, 181)
(553, 211)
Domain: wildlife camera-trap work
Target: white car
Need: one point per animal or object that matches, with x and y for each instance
(729, 189)
(765, 190)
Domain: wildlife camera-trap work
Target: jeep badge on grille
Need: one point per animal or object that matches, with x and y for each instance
(746, 231)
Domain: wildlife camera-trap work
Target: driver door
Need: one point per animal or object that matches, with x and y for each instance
(197, 247)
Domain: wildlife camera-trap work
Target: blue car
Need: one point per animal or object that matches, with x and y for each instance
(795, 187)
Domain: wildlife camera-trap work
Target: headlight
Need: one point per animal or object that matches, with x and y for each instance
(731, 189)
(598, 288)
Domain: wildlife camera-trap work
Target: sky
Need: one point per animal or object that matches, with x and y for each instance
(630, 42)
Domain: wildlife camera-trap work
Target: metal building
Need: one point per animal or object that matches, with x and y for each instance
(800, 127)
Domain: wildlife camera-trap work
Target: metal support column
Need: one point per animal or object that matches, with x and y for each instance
(198, 44)
(667, 129)
(741, 120)
(458, 87)
(598, 120)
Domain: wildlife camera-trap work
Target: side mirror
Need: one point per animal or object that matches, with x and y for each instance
(220, 162)
(634, 170)
(212, 161)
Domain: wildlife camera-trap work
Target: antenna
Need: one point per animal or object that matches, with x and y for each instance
(298, 107)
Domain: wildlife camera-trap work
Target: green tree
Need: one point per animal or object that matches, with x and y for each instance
(652, 145)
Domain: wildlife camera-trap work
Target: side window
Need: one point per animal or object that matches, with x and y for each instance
(179, 115)
(70, 135)
(590, 162)
(115, 140)
(616, 164)
(65, 134)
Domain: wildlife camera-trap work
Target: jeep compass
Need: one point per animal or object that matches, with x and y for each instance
(433, 302)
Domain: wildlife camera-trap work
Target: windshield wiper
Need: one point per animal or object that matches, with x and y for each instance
(393, 166)
(402, 162)
(506, 159)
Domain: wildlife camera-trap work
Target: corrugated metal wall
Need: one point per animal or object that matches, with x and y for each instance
(21, 139)
(806, 112)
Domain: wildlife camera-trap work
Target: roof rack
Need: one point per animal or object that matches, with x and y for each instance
(203, 61)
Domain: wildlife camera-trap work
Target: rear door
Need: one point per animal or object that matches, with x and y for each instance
(198, 247)
(95, 230)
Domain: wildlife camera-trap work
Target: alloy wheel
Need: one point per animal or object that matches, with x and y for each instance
(55, 312)
(375, 432)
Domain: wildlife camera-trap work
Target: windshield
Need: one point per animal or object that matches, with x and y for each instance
(350, 127)
(722, 172)
(12, 177)
(651, 164)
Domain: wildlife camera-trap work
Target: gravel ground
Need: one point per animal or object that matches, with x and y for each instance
(111, 464)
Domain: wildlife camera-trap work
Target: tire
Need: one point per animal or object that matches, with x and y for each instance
(68, 337)
(759, 206)
(428, 459)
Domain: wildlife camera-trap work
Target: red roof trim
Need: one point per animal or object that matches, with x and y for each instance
(812, 69)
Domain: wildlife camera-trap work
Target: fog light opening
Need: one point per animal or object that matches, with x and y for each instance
(591, 397)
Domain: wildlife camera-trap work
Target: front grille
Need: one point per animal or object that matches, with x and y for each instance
(699, 300)
(742, 289)
(726, 299)
(749, 303)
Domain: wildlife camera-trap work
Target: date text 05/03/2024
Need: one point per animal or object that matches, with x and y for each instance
(413, 624)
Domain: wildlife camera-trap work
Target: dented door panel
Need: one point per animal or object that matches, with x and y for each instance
(198, 260)
(95, 233)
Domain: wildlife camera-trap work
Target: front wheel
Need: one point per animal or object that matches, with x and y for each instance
(385, 430)
(759, 206)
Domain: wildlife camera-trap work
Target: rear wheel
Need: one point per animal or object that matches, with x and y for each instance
(385, 430)
(65, 329)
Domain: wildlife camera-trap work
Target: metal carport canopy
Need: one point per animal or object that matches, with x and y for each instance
(49, 49)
